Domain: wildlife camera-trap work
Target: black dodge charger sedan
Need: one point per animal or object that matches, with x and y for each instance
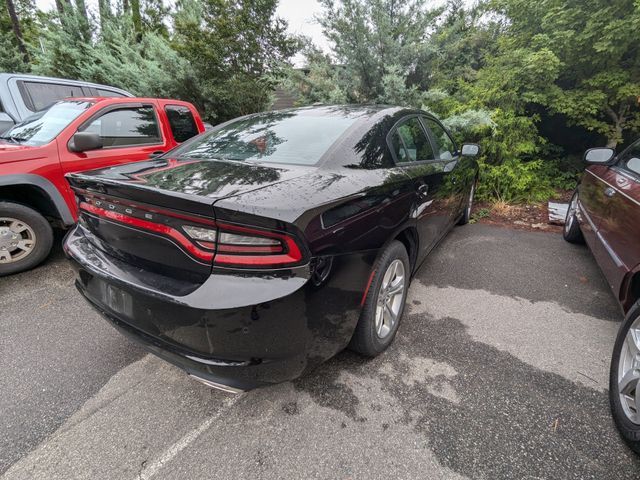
(259, 249)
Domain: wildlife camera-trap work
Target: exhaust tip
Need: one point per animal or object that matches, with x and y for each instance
(217, 386)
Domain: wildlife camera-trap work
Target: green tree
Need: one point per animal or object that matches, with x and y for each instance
(593, 47)
(236, 49)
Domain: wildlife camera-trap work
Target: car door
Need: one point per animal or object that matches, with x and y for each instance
(593, 206)
(413, 152)
(619, 229)
(458, 172)
(130, 132)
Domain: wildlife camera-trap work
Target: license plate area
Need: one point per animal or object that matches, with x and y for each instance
(115, 299)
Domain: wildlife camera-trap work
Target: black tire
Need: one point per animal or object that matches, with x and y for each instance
(366, 340)
(571, 230)
(629, 431)
(466, 215)
(41, 230)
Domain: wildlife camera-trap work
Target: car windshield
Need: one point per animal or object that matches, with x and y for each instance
(291, 137)
(45, 125)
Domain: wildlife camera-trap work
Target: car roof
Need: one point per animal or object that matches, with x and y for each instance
(37, 78)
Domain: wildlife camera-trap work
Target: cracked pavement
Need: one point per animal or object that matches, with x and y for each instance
(499, 370)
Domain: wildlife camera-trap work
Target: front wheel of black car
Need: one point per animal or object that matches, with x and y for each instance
(25, 238)
(624, 379)
(571, 231)
(384, 304)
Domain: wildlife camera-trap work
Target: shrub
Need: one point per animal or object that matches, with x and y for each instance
(514, 181)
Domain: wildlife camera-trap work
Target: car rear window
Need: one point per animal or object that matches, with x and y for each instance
(293, 137)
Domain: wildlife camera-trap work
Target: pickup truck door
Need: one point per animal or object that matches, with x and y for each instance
(130, 132)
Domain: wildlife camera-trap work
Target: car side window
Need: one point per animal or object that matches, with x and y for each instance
(444, 145)
(631, 159)
(40, 95)
(409, 142)
(108, 93)
(126, 126)
(183, 125)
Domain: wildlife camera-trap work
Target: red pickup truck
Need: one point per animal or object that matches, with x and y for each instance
(70, 136)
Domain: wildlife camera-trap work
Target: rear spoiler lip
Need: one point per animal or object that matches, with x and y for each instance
(194, 204)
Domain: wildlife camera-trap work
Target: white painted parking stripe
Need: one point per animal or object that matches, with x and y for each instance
(150, 469)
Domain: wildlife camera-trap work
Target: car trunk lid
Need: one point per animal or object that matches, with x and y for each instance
(159, 215)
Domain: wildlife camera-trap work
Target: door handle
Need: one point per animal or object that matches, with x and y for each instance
(423, 190)
(156, 154)
(610, 192)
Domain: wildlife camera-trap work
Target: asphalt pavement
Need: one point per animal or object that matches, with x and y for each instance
(499, 370)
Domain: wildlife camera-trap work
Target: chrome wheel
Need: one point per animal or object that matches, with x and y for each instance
(571, 214)
(390, 298)
(629, 373)
(17, 240)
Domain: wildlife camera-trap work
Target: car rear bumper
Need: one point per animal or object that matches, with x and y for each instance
(241, 331)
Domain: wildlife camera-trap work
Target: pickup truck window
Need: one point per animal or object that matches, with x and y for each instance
(108, 93)
(42, 127)
(183, 125)
(126, 127)
(41, 95)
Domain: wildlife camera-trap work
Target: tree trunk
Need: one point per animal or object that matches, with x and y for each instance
(63, 6)
(135, 15)
(619, 119)
(105, 11)
(15, 23)
(82, 8)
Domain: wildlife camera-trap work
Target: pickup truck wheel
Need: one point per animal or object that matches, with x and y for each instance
(624, 379)
(25, 238)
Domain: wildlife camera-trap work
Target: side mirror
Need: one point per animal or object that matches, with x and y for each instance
(470, 150)
(599, 156)
(84, 141)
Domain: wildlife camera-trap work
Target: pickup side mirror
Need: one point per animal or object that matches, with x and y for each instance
(470, 150)
(84, 141)
(599, 156)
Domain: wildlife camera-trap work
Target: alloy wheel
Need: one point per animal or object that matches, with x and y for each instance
(390, 298)
(17, 240)
(629, 373)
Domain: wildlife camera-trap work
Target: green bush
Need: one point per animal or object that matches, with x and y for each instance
(516, 181)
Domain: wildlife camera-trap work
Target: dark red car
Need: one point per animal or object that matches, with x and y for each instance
(605, 211)
(70, 136)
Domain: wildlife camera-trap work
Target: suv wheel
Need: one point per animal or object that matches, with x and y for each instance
(624, 379)
(384, 305)
(25, 238)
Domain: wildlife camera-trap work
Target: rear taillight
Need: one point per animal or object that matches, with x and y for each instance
(205, 239)
(246, 247)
